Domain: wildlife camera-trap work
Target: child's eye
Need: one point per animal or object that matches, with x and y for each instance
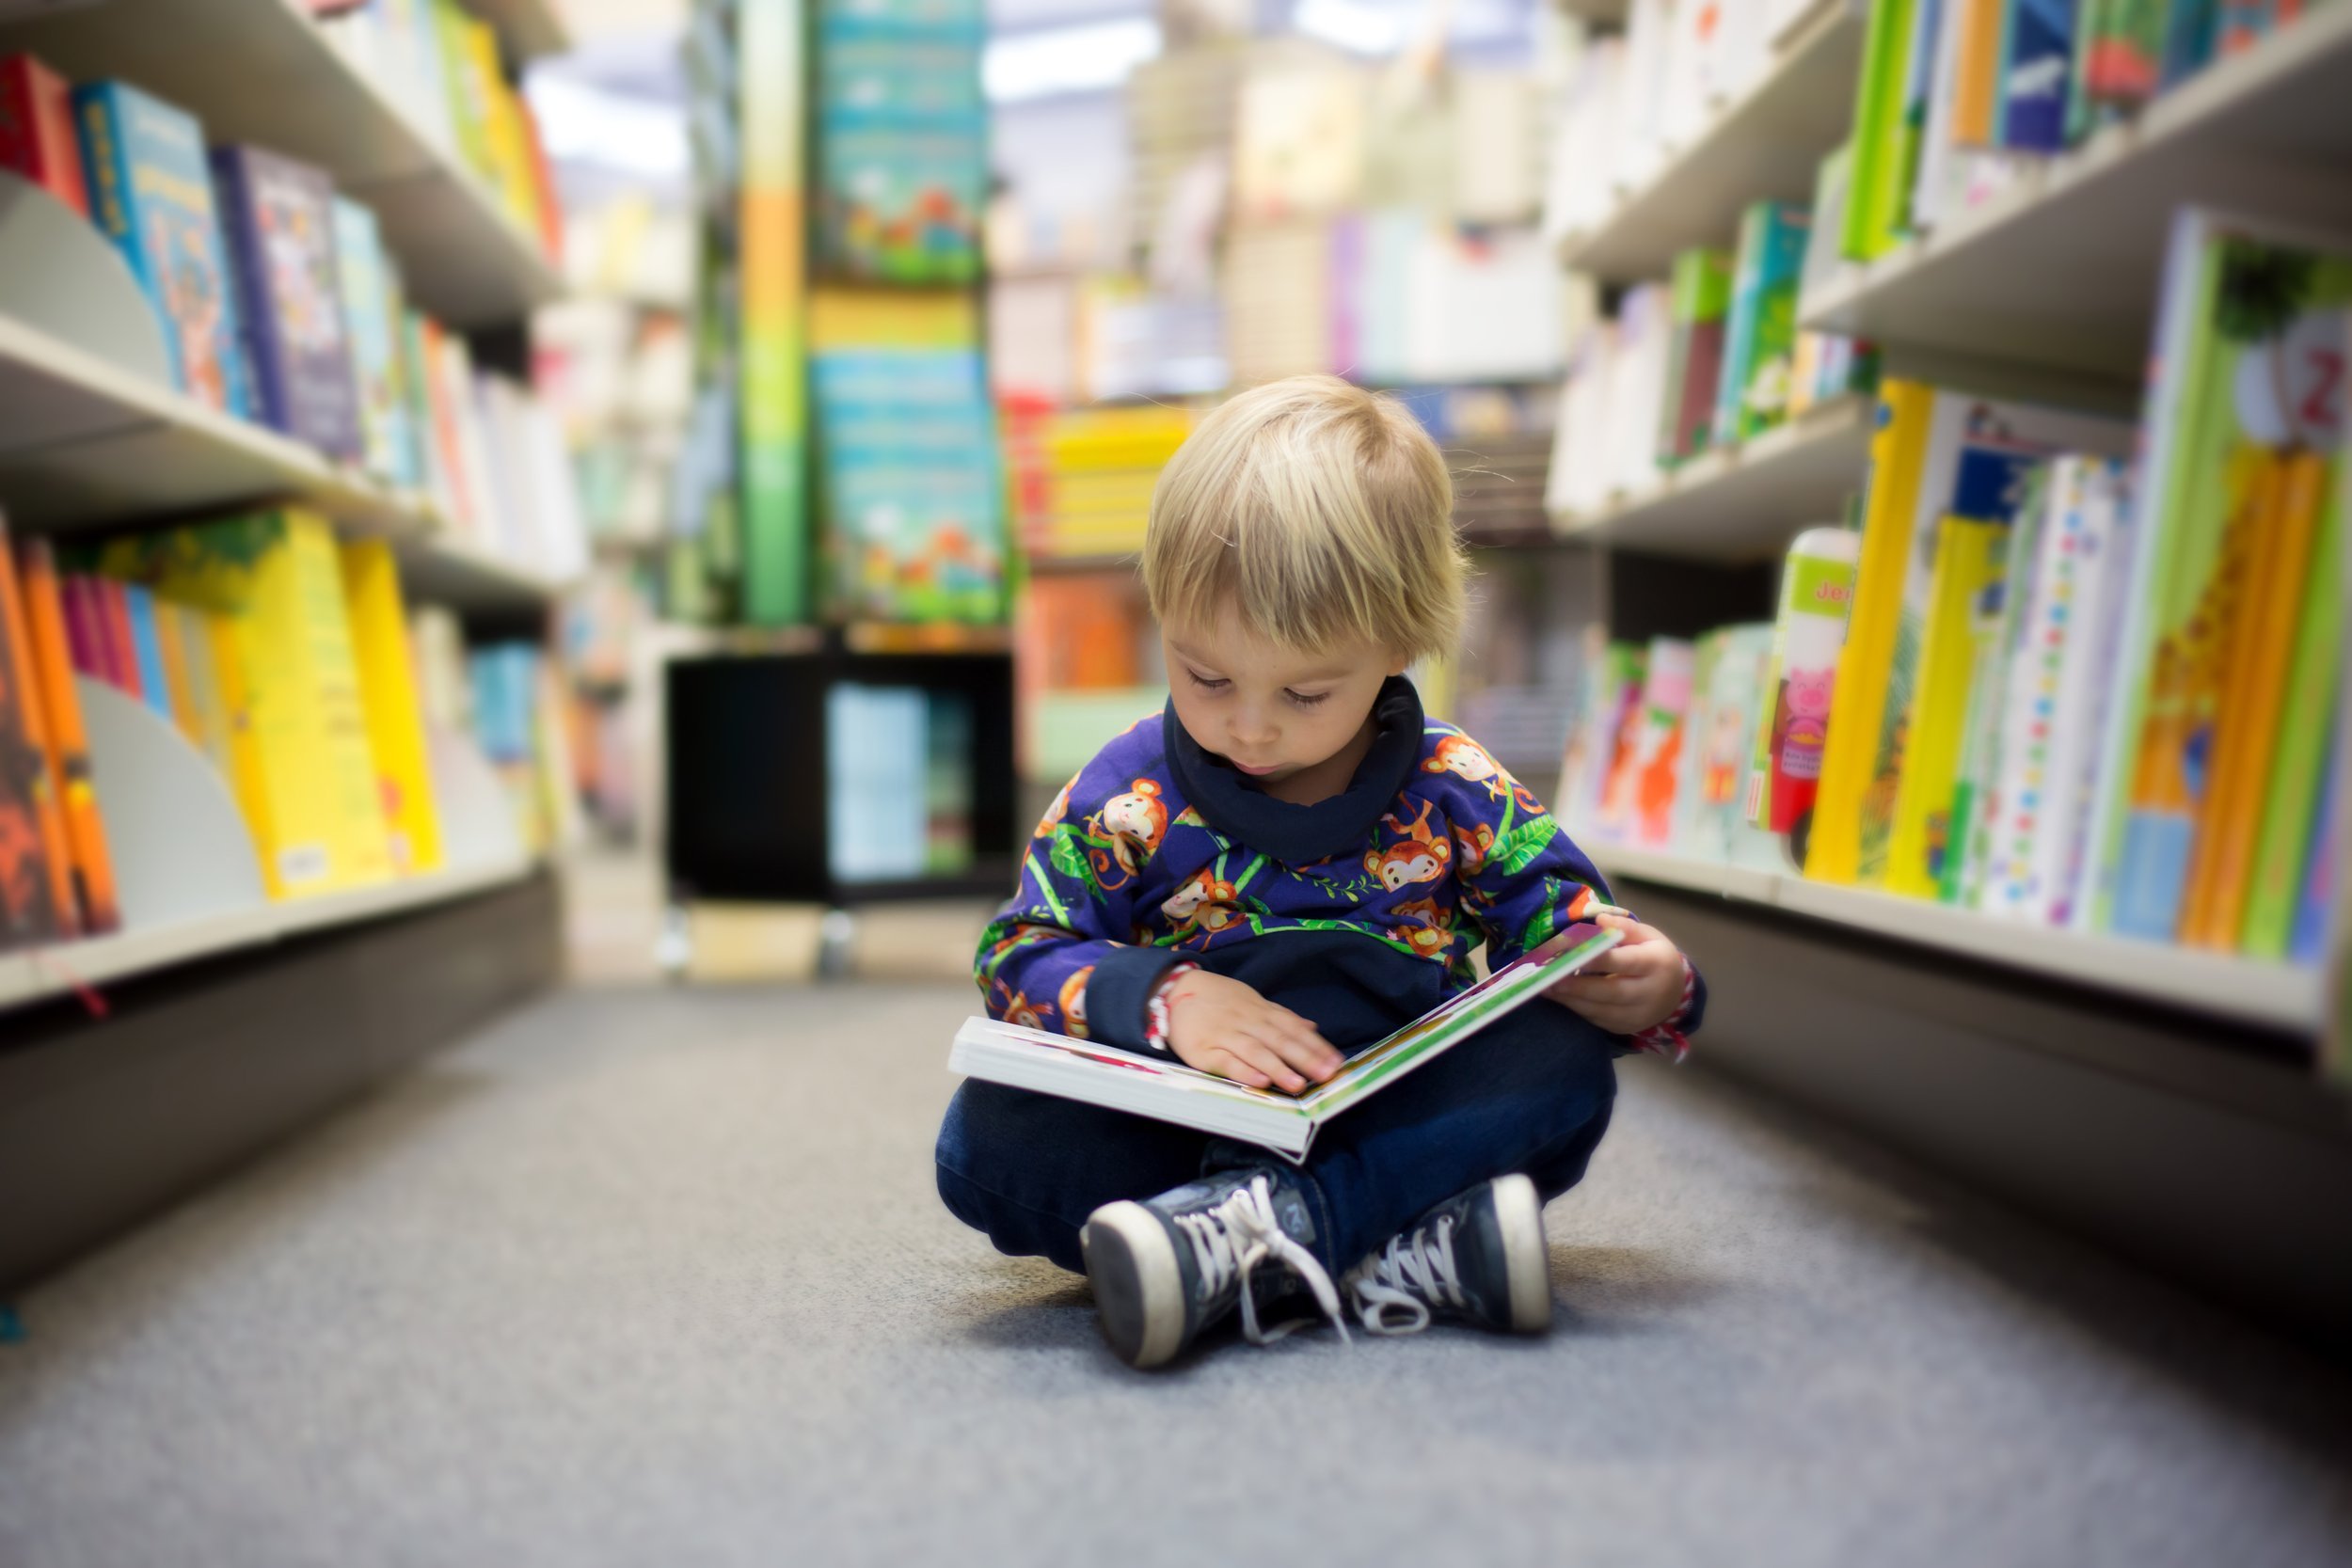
(1208, 682)
(1303, 700)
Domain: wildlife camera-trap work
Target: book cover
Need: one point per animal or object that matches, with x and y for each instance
(467, 89)
(1845, 762)
(2090, 581)
(1994, 637)
(37, 135)
(2248, 342)
(1657, 764)
(2298, 768)
(305, 776)
(2038, 67)
(1621, 739)
(280, 220)
(1701, 303)
(1809, 636)
(1752, 392)
(1978, 451)
(55, 666)
(1968, 564)
(2124, 63)
(1719, 752)
(2189, 32)
(387, 694)
(364, 283)
(2246, 729)
(1164, 1090)
(144, 161)
(37, 896)
(1977, 71)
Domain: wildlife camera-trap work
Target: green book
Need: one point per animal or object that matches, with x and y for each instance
(1882, 156)
(2300, 762)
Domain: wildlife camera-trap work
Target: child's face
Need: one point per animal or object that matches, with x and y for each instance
(1271, 711)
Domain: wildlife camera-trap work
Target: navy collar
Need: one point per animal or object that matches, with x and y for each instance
(1228, 802)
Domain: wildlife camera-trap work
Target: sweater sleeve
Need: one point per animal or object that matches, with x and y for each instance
(1524, 881)
(1055, 955)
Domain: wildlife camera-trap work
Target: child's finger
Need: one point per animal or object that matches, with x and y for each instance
(1227, 1063)
(1267, 1058)
(1307, 1047)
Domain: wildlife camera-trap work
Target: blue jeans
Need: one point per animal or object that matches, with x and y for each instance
(1531, 1092)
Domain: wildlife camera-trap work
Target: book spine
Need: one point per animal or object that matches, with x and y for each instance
(1920, 835)
(1816, 592)
(1747, 291)
(39, 897)
(122, 660)
(2304, 730)
(147, 649)
(61, 707)
(2041, 48)
(38, 138)
(109, 176)
(1906, 410)
(242, 232)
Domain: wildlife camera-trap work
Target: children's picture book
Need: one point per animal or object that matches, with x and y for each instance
(1970, 561)
(279, 215)
(1801, 682)
(367, 283)
(1752, 395)
(1166, 1089)
(37, 140)
(2247, 391)
(144, 160)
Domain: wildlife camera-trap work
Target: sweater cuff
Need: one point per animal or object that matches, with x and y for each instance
(1672, 1037)
(1119, 990)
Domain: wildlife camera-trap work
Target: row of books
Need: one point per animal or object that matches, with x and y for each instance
(1635, 99)
(1082, 479)
(278, 302)
(285, 658)
(440, 64)
(2050, 679)
(899, 783)
(1958, 96)
(1710, 358)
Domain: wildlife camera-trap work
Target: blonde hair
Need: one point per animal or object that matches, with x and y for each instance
(1320, 513)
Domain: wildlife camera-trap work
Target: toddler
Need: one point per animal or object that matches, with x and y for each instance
(1285, 866)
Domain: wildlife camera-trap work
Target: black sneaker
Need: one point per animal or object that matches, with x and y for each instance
(1479, 1256)
(1165, 1269)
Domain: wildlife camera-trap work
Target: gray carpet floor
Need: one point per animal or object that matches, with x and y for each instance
(645, 1277)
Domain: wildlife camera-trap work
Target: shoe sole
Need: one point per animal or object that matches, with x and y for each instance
(1139, 1288)
(1527, 1257)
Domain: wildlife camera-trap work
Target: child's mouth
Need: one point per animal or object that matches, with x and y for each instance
(1240, 767)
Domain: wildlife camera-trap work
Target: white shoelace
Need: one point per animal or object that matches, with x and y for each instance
(1230, 1241)
(1411, 1271)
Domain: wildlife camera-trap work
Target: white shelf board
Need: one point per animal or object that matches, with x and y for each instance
(261, 71)
(1745, 503)
(1765, 144)
(55, 971)
(2062, 268)
(84, 443)
(2273, 995)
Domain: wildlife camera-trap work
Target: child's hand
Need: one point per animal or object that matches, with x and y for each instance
(1222, 1026)
(1633, 985)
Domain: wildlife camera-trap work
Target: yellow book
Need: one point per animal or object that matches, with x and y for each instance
(1850, 754)
(1968, 559)
(1977, 74)
(304, 773)
(388, 686)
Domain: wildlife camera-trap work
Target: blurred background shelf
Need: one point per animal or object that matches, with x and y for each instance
(2268, 995)
(1763, 144)
(38, 973)
(2266, 132)
(85, 444)
(1744, 504)
(463, 260)
(529, 28)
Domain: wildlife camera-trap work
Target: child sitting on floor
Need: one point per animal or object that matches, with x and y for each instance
(1286, 865)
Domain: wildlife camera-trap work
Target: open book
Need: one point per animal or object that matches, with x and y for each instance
(1164, 1089)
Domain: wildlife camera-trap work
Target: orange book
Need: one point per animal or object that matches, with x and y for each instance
(168, 641)
(68, 742)
(2245, 728)
(20, 690)
(1977, 74)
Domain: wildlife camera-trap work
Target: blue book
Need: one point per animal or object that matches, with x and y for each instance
(1751, 389)
(2188, 35)
(279, 217)
(370, 317)
(2036, 71)
(877, 753)
(147, 646)
(149, 194)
